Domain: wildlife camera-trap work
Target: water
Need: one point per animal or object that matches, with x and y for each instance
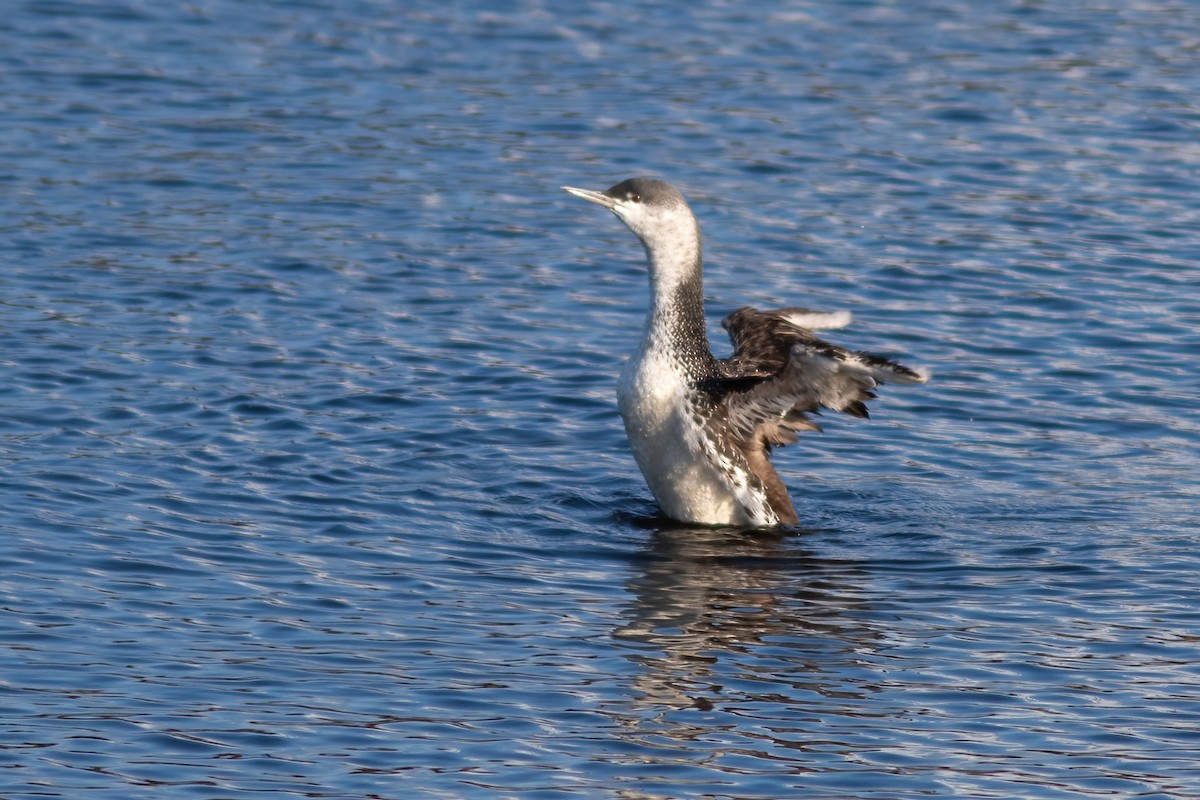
(313, 480)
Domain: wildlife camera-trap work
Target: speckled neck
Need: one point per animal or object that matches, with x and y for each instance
(676, 318)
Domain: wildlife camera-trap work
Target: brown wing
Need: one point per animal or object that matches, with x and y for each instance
(780, 372)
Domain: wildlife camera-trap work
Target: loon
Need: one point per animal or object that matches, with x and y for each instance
(702, 428)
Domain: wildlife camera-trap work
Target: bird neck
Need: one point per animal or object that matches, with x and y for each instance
(676, 315)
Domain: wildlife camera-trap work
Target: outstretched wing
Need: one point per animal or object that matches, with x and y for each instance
(780, 372)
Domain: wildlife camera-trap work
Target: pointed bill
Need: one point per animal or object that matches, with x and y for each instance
(599, 198)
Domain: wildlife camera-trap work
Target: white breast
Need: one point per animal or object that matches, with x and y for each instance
(683, 468)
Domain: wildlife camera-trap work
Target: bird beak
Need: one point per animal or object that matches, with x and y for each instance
(599, 198)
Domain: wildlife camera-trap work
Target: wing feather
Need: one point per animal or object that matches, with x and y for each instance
(780, 372)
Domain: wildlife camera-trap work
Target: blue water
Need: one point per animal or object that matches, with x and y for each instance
(313, 484)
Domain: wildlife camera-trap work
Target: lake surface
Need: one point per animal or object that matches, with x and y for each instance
(313, 482)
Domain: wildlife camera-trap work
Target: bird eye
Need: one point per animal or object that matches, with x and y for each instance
(633, 197)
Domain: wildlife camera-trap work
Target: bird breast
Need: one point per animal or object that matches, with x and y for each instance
(666, 429)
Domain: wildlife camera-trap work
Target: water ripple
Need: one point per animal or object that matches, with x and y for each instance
(313, 479)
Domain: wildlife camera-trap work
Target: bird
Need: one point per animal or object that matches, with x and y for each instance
(702, 428)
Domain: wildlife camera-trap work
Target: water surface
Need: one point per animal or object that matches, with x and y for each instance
(313, 480)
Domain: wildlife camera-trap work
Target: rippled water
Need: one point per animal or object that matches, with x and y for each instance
(313, 482)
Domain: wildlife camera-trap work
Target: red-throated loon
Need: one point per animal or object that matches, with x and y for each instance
(702, 428)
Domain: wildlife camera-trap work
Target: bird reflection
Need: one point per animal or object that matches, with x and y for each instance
(742, 616)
